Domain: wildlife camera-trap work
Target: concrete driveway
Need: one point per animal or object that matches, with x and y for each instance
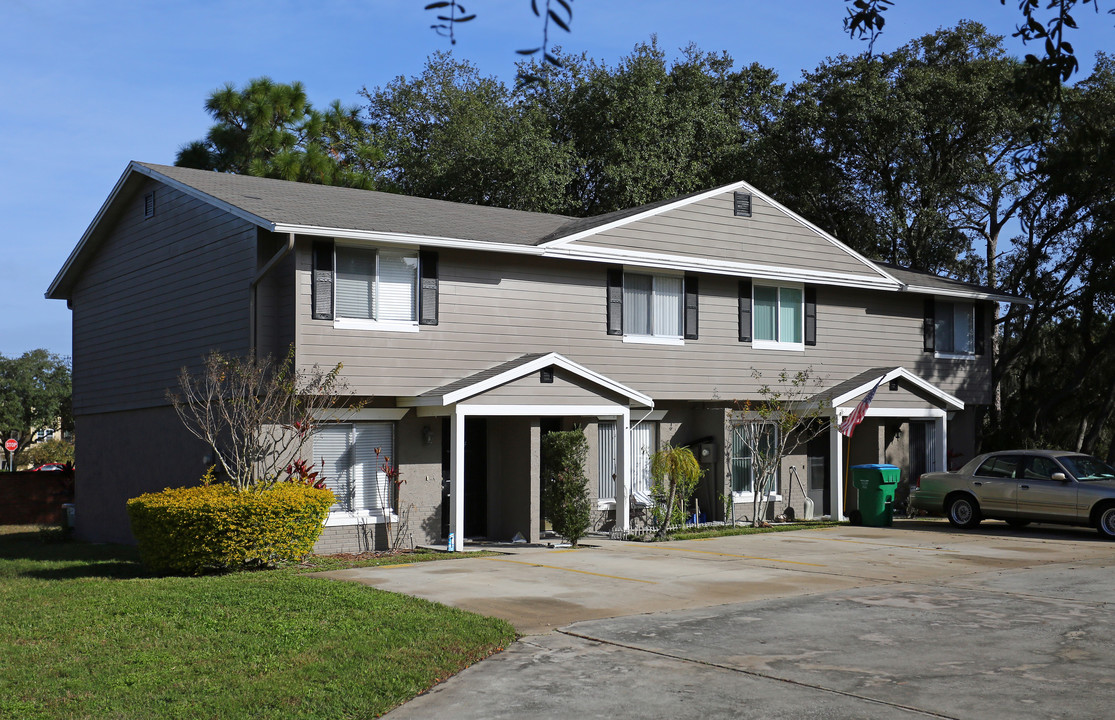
(916, 620)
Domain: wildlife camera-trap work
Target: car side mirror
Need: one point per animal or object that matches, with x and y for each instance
(1059, 476)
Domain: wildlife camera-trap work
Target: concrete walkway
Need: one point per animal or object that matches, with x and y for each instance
(916, 620)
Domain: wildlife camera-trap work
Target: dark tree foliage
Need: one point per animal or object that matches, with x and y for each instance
(34, 394)
(270, 129)
(898, 154)
(865, 20)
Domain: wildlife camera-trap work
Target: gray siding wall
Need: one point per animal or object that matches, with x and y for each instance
(709, 229)
(497, 307)
(158, 295)
(275, 299)
(123, 455)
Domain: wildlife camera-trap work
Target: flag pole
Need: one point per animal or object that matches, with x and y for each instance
(847, 472)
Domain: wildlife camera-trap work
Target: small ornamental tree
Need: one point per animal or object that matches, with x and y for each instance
(256, 415)
(784, 418)
(565, 485)
(674, 473)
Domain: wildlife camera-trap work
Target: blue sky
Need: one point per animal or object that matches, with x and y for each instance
(91, 84)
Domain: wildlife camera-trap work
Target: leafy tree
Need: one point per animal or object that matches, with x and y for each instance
(909, 155)
(565, 484)
(257, 415)
(270, 129)
(51, 450)
(452, 134)
(866, 19)
(34, 393)
(645, 130)
(674, 473)
(1055, 364)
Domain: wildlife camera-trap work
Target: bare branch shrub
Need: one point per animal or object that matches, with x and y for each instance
(257, 415)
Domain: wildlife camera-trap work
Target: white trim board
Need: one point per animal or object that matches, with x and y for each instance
(904, 374)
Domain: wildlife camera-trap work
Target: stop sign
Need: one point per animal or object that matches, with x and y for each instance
(11, 445)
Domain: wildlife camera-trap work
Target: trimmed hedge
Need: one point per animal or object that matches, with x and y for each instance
(210, 528)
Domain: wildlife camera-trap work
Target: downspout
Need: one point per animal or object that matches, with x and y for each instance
(282, 253)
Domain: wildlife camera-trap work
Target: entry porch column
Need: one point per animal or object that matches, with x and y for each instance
(456, 480)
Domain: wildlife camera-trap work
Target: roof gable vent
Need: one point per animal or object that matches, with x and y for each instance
(149, 205)
(742, 204)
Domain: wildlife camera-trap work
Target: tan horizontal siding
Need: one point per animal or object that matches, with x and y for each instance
(495, 308)
(709, 229)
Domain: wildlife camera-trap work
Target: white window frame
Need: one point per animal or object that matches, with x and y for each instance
(954, 306)
(654, 338)
(350, 323)
(778, 344)
(358, 516)
(749, 495)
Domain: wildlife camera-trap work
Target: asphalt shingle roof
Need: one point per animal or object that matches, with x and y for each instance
(293, 203)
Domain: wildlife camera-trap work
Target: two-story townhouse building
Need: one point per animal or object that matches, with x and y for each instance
(471, 331)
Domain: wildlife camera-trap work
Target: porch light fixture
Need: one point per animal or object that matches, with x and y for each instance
(893, 385)
(427, 435)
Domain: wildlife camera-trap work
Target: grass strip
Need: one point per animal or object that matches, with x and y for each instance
(747, 530)
(86, 634)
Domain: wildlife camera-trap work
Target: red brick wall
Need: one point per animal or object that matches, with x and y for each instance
(34, 497)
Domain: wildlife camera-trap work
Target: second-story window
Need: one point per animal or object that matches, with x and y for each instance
(652, 306)
(955, 325)
(778, 316)
(376, 284)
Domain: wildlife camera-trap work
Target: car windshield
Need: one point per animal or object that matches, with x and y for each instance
(1084, 468)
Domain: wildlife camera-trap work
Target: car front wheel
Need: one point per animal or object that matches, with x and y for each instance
(964, 512)
(1105, 523)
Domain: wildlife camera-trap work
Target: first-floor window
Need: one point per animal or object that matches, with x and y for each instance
(352, 469)
(379, 284)
(643, 441)
(745, 466)
(955, 328)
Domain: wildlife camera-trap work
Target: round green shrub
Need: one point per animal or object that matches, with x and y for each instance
(211, 528)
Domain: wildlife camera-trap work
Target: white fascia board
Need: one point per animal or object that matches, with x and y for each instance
(204, 197)
(361, 414)
(933, 390)
(969, 294)
(843, 412)
(465, 409)
(721, 267)
(405, 239)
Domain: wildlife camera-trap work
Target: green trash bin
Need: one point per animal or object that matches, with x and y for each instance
(876, 485)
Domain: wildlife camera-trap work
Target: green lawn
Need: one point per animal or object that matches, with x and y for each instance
(747, 530)
(85, 634)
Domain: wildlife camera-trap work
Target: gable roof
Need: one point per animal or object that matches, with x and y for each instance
(522, 366)
(304, 208)
(843, 393)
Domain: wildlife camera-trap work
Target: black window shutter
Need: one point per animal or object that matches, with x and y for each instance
(929, 327)
(981, 329)
(691, 307)
(745, 311)
(428, 288)
(810, 315)
(615, 301)
(322, 292)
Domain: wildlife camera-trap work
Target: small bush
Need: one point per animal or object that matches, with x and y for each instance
(215, 528)
(565, 486)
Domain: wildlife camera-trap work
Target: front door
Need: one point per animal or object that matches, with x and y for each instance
(817, 474)
(476, 477)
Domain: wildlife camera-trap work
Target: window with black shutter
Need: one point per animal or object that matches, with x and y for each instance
(428, 290)
(322, 291)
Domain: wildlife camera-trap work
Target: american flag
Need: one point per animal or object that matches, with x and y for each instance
(850, 422)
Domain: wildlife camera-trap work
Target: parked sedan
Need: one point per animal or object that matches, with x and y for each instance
(1023, 486)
